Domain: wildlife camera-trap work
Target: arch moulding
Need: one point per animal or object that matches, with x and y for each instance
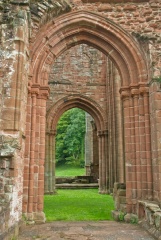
(85, 27)
(79, 101)
(53, 39)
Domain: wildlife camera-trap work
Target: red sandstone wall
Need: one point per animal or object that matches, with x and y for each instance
(81, 69)
(13, 94)
(141, 19)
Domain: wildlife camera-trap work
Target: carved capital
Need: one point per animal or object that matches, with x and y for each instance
(51, 132)
(105, 132)
(125, 92)
(102, 133)
(99, 133)
(143, 88)
(44, 92)
(135, 93)
(35, 89)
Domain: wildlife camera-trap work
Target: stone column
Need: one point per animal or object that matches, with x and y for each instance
(46, 176)
(125, 94)
(37, 153)
(109, 83)
(135, 95)
(88, 144)
(37, 150)
(102, 135)
(52, 162)
(95, 172)
(106, 165)
(116, 163)
(119, 130)
(133, 151)
(145, 93)
(34, 93)
(39, 215)
(100, 161)
(104, 184)
(27, 154)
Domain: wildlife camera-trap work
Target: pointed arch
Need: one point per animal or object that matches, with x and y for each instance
(79, 101)
(54, 38)
(86, 27)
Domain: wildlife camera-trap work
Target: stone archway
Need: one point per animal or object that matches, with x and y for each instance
(53, 39)
(53, 116)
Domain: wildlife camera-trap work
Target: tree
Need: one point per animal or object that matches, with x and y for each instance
(70, 137)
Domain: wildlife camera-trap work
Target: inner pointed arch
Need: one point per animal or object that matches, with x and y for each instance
(76, 101)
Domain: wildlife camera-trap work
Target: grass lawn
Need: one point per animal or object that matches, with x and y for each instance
(78, 205)
(69, 171)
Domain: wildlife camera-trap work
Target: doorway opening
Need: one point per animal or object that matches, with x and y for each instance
(70, 144)
(77, 171)
(76, 152)
(118, 101)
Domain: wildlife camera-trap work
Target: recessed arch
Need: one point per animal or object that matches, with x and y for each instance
(124, 53)
(77, 27)
(79, 101)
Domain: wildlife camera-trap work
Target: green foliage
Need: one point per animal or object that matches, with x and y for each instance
(121, 216)
(70, 138)
(35, 237)
(78, 205)
(69, 171)
(14, 238)
(134, 219)
(157, 79)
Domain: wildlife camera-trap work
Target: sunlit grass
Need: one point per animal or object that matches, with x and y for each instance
(78, 205)
(69, 171)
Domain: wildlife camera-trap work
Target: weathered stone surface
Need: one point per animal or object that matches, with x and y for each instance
(85, 230)
(116, 80)
(152, 217)
(131, 218)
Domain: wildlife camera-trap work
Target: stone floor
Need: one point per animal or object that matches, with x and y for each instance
(101, 230)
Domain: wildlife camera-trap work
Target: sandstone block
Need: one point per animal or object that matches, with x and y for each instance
(105, 7)
(8, 188)
(130, 7)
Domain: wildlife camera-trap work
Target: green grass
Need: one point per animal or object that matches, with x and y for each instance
(69, 171)
(78, 205)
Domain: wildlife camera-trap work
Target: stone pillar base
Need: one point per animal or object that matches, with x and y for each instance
(36, 217)
(54, 192)
(125, 217)
(39, 217)
(29, 218)
(103, 191)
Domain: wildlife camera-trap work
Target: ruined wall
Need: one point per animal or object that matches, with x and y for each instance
(81, 69)
(141, 19)
(20, 22)
(13, 85)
